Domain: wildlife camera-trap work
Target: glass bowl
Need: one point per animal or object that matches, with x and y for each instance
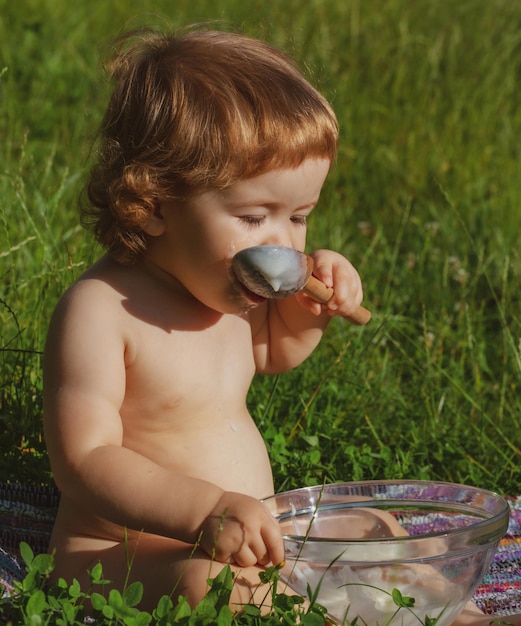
(389, 552)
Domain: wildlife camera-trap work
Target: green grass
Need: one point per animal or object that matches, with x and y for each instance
(61, 604)
(425, 199)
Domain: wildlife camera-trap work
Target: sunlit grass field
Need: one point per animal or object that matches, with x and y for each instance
(425, 199)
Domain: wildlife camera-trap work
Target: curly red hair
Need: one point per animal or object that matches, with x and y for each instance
(195, 112)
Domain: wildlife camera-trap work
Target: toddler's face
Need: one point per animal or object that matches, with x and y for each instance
(199, 239)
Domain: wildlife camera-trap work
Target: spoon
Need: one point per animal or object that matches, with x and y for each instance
(276, 272)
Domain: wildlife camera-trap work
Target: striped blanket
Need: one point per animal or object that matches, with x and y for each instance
(27, 513)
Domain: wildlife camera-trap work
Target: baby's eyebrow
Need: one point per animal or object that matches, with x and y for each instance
(251, 203)
(270, 204)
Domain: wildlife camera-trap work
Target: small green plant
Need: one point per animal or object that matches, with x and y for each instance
(402, 603)
(35, 602)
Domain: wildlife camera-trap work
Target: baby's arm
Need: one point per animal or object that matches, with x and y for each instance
(85, 384)
(285, 332)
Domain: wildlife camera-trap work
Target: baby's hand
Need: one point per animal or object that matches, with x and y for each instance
(335, 271)
(240, 530)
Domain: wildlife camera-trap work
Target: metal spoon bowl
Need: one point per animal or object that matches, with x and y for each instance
(276, 272)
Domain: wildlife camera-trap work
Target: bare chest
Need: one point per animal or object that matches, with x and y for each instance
(185, 404)
(192, 371)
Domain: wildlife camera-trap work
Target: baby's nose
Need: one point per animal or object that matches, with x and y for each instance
(279, 238)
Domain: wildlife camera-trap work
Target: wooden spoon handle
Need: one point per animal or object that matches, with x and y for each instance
(321, 293)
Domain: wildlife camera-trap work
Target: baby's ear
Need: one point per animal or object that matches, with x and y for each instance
(155, 224)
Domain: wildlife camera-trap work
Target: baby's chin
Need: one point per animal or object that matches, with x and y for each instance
(235, 303)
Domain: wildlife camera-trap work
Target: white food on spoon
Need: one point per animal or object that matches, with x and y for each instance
(280, 267)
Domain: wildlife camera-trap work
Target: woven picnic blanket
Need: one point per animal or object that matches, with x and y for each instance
(500, 591)
(27, 513)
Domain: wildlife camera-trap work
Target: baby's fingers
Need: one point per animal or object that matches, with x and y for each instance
(309, 303)
(246, 557)
(254, 553)
(346, 305)
(348, 292)
(323, 271)
(274, 543)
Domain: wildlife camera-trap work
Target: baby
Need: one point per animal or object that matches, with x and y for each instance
(212, 143)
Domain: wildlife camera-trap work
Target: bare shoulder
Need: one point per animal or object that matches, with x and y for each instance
(89, 315)
(98, 292)
(104, 278)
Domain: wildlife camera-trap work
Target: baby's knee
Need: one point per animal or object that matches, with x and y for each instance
(194, 581)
